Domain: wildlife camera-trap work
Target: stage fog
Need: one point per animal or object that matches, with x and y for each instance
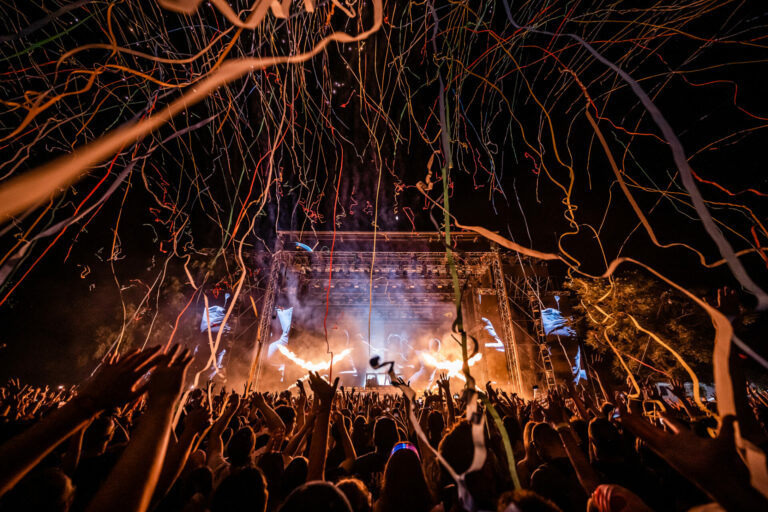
(400, 308)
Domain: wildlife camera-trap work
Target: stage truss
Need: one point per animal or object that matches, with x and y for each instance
(411, 266)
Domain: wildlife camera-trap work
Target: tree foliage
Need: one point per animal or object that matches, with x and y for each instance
(605, 308)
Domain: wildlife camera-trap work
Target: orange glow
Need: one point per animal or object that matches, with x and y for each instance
(310, 366)
(452, 368)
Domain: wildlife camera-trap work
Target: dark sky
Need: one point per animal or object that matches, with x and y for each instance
(364, 118)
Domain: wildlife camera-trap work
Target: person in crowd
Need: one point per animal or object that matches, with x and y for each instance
(357, 494)
(134, 438)
(404, 486)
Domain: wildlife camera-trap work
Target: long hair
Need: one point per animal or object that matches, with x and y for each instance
(405, 488)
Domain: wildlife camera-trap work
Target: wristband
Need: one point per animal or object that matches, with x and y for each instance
(562, 426)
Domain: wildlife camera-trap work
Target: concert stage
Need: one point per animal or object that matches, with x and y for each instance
(393, 297)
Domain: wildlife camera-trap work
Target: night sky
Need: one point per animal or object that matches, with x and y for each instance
(352, 131)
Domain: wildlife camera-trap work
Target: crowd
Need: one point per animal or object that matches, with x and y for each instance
(120, 441)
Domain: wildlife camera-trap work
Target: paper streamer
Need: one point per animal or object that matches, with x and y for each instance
(37, 185)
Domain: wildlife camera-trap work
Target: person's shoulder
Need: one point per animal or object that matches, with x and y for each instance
(544, 473)
(367, 457)
(216, 461)
(365, 462)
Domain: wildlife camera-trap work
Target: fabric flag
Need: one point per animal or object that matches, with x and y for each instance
(578, 372)
(285, 316)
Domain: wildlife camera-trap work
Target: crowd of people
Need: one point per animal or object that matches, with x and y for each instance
(121, 441)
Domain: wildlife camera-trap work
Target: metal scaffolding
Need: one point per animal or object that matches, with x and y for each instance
(420, 277)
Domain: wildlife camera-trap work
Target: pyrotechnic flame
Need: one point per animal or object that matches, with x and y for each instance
(310, 366)
(452, 368)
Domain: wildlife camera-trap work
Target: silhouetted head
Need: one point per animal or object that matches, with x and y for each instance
(457, 447)
(385, 435)
(580, 426)
(604, 440)
(271, 465)
(361, 435)
(524, 500)
(357, 494)
(196, 459)
(288, 415)
(515, 435)
(607, 409)
(317, 497)
(547, 442)
(295, 474)
(404, 487)
(240, 447)
(243, 490)
(198, 481)
(435, 423)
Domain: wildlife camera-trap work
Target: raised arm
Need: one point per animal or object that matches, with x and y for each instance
(713, 465)
(114, 384)
(324, 394)
(577, 401)
(296, 442)
(215, 444)
(271, 418)
(132, 482)
(346, 441)
(178, 452)
(555, 414)
(445, 384)
(72, 456)
(301, 406)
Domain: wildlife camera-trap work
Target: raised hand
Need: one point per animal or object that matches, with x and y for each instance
(555, 412)
(678, 388)
(596, 358)
(233, 404)
(324, 395)
(259, 399)
(197, 420)
(118, 380)
(713, 465)
(536, 413)
(113, 385)
(652, 392)
(167, 378)
(727, 302)
(275, 443)
(324, 391)
(492, 394)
